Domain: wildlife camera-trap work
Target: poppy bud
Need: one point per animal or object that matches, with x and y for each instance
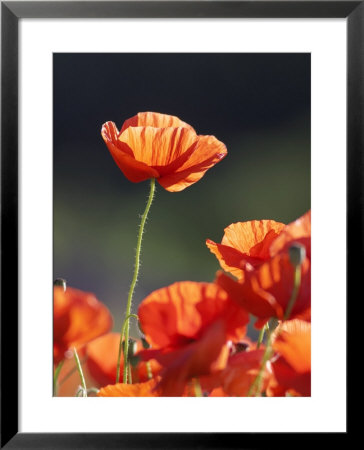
(144, 342)
(60, 282)
(132, 347)
(297, 254)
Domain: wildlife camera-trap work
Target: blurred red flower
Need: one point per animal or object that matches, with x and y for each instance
(238, 376)
(102, 356)
(265, 288)
(188, 325)
(292, 364)
(153, 145)
(78, 317)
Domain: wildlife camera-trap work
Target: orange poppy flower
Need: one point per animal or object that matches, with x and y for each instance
(245, 243)
(153, 145)
(147, 389)
(78, 317)
(102, 356)
(265, 286)
(188, 325)
(292, 364)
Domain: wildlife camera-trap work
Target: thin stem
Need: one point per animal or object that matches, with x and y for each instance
(197, 387)
(132, 287)
(261, 336)
(123, 328)
(79, 368)
(55, 378)
(295, 290)
(256, 385)
(71, 372)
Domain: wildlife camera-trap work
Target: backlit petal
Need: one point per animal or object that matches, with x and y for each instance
(158, 146)
(292, 367)
(157, 120)
(245, 243)
(174, 315)
(294, 344)
(205, 155)
(297, 231)
(122, 154)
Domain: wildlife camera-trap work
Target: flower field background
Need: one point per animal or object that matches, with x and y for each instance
(258, 105)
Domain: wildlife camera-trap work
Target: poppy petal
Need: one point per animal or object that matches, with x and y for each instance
(297, 231)
(157, 120)
(174, 315)
(250, 297)
(266, 290)
(158, 147)
(147, 389)
(245, 243)
(135, 171)
(229, 258)
(252, 238)
(102, 356)
(168, 316)
(205, 155)
(202, 357)
(294, 344)
(292, 368)
(78, 317)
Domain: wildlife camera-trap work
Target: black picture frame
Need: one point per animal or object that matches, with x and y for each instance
(11, 12)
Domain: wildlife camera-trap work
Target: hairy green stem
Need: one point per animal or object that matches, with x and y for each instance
(123, 328)
(132, 287)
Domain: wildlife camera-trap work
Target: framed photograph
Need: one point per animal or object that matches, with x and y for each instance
(113, 252)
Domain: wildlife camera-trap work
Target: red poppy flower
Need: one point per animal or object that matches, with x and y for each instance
(153, 145)
(147, 389)
(267, 285)
(102, 356)
(188, 325)
(245, 243)
(292, 364)
(78, 317)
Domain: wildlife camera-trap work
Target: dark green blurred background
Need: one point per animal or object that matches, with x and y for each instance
(257, 104)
